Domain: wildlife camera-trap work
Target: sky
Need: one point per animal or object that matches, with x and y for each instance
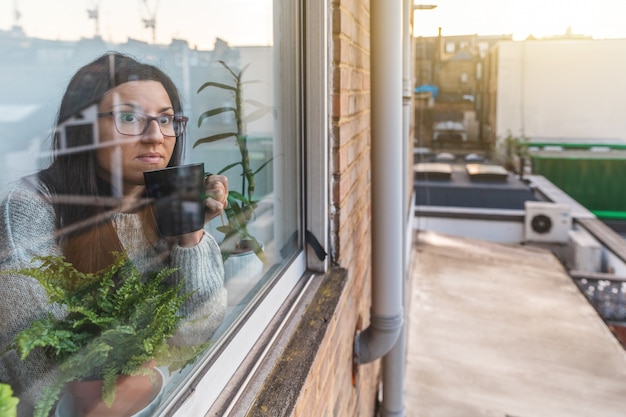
(249, 22)
(199, 21)
(600, 19)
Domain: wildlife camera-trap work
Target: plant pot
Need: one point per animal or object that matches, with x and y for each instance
(135, 396)
(242, 272)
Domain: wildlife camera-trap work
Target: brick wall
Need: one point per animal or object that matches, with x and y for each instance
(329, 388)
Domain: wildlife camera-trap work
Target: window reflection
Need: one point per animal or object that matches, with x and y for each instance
(255, 149)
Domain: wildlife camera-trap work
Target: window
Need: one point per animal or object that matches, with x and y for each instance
(483, 48)
(205, 42)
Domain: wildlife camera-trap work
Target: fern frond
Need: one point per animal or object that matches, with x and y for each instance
(116, 320)
(48, 398)
(108, 386)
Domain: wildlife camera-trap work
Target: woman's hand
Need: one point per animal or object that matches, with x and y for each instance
(216, 188)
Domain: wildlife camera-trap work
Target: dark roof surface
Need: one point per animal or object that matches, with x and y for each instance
(459, 190)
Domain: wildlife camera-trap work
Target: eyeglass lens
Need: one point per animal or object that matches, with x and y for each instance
(131, 123)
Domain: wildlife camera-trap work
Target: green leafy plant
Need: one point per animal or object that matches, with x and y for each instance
(115, 322)
(513, 152)
(8, 403)
(241, 204)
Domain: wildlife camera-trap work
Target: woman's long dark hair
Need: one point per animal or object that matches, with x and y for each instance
(85, 232)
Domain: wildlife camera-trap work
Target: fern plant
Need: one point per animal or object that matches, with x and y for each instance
(8, 403)
(241, 204)
(116, 321)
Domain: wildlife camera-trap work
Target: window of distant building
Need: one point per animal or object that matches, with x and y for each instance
(483, 47)
(479, 71)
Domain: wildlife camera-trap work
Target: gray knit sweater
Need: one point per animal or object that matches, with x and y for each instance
(27, 226)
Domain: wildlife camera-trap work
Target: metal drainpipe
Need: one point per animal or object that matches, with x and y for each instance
(394, 361)
(386, 317)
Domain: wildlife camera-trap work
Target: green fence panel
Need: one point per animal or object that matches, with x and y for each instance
(598, 182)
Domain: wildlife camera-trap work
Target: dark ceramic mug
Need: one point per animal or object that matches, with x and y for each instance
(177, 195)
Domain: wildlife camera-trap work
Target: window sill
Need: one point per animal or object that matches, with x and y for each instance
(273, 374)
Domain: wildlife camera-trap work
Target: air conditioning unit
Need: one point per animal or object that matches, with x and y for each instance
(547, 222)
(585, 252)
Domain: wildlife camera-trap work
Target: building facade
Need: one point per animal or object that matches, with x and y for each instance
(454, 65)
(556, 90)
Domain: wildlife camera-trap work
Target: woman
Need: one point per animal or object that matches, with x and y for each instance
(117, 119)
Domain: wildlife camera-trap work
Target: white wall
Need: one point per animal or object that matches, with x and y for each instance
(511, 232)
(562, 89)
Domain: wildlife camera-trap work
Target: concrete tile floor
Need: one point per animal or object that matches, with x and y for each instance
(498, 330)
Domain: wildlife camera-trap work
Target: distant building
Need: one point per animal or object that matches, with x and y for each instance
(557, 91)
(454, 65)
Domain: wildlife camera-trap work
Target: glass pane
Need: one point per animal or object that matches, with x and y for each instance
(72, 159)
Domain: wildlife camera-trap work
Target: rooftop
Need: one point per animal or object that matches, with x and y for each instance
(448, 184)
(502, 330)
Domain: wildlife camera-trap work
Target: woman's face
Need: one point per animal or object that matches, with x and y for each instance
(129, 156)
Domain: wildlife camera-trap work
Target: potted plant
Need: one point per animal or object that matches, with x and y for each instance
(8, 403)
(241, 203)
(116, 326)
(515, 153)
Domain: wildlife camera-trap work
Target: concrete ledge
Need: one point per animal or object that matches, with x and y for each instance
(280, 390)
(606, 236)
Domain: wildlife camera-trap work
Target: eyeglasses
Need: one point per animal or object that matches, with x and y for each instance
(131, 123)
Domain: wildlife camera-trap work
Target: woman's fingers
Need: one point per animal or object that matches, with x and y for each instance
(216, 188)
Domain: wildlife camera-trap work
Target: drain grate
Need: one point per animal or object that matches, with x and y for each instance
(607, 296)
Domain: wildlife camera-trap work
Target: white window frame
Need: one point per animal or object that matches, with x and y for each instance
(202, 389)
(316, 130)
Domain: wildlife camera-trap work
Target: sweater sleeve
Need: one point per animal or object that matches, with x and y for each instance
(201, 270)
(26, 230)
(26, 226)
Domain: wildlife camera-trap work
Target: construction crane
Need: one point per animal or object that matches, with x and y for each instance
(149, 22)
(16, 14)
(94, 13)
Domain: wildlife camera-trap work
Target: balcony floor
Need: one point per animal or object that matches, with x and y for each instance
(502, 331)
